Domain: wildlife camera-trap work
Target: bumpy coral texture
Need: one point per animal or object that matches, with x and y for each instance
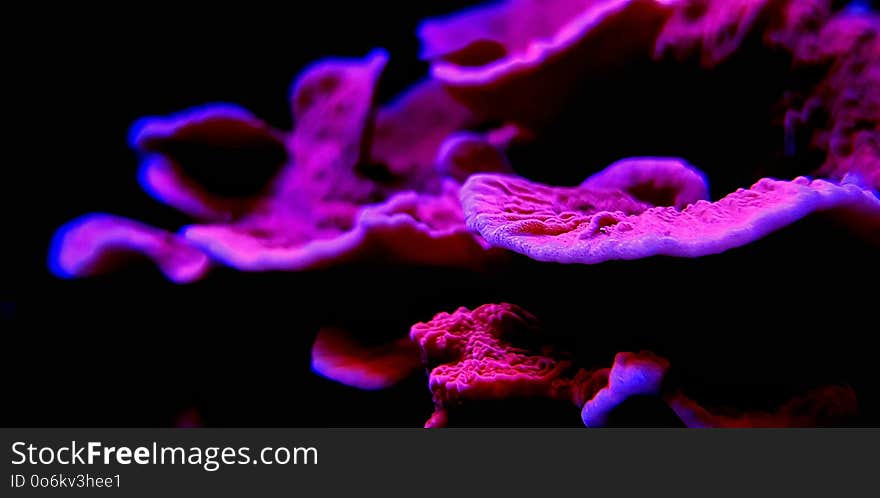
(492, 352)
(588, 224)
(495, 352)
(352, 182)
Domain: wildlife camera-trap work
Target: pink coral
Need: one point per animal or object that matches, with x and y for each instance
(632, 374)
(408, 132)
(328, 203)
(658, 181)
(353, 182)
(225, 133)
(644, 373)
(465, 153)
(842, 111)
(97, 243)
(317, 198)
(338, 355)
(503, 64)
(589, 225)
(495, 352)
(492, 352)
(520, 60)
(711, 29)
(827, 406)
(222, 132)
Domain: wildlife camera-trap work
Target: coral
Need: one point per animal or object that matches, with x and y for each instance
(643, 374)
(503, 64)
(327, 201)
(338, 355)
(841, 112)
(655, 180)
(826, 406)
(430, 179)
(210, 136)
(408, 132)
(465, 153)
(496, 352)
(492, 352)
(98, 243)
(631, 374)
(711, 29)
(521, 60)
(587, 224)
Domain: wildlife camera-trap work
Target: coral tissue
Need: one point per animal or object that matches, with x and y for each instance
(432, 179)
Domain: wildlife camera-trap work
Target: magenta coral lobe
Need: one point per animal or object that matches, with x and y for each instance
(95, 244)
(328, 203)
(316, 198)
(339, 356)
(657, 180)
(419, 228)
(213, 133)
(218, 124)
(643, 374)
(711, 29)
(168, 183)
(465, 153)
(323, 208)
(520, 59)
(589, 225)
(631, 374)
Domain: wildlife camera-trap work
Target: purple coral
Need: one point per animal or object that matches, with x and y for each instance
(494, 352)
(482, 354)
(323, 206)
(431, 179)
(643, 374)
(590, 224)
(98, 243)
(522, 59)
(340, 356)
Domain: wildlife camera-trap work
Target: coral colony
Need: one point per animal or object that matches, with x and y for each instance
(427, 180)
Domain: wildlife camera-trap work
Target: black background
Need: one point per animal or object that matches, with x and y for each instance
(748, 328)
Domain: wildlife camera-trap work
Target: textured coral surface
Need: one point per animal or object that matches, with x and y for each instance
(496, 352)
(391, 197)
(587, 224)
(492, 352)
